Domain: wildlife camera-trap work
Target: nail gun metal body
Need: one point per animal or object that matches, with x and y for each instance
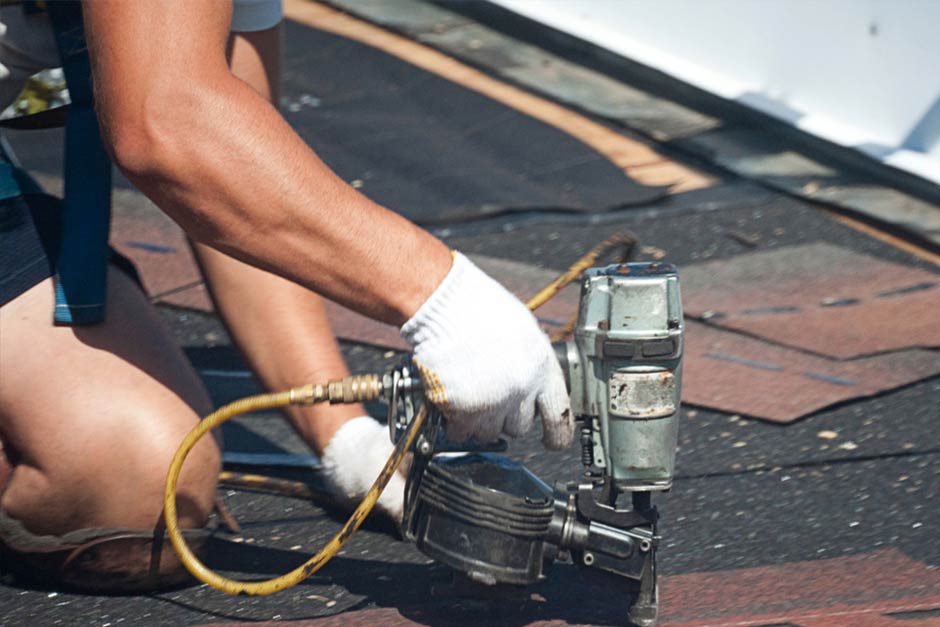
(493, 520)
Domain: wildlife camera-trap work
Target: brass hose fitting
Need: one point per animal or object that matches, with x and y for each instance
(353, 389)
(356, 389)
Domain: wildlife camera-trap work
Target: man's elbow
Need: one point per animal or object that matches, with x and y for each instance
(152, 131)
(155, 149)
(138, 144)
(166, 140)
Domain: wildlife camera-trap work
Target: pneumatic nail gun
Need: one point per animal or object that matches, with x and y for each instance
(494, 521)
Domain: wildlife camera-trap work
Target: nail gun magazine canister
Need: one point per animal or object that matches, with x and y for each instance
(625, 370)
(485, 515)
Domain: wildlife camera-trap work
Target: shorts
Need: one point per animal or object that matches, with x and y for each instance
(254, 15)
(29, 244)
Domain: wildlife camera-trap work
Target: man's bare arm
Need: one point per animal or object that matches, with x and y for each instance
(224, 164)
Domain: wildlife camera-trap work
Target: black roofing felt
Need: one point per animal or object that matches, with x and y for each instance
(431, 149)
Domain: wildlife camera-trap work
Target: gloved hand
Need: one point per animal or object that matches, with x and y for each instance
(353, 459)
(485, 363)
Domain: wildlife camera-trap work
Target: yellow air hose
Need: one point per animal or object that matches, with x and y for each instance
(303, 395)
(348, 390)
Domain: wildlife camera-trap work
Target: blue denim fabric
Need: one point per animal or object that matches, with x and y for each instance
(81, 269)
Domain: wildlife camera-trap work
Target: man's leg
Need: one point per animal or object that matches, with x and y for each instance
(281, 327)
(91, 416)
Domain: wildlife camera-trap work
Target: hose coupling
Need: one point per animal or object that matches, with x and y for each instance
(353, 389)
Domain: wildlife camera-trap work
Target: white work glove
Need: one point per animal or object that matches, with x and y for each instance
(485, 363)
(353, 460)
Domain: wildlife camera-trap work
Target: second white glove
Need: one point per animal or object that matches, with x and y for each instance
(353, 460)
(485, 362)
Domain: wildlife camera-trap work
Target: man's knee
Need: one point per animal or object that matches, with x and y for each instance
(196, 489)
(113, 476)
(97, 526)
(152, 450)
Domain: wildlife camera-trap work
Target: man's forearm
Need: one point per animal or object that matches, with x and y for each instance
(224, 164)
(238, 178)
